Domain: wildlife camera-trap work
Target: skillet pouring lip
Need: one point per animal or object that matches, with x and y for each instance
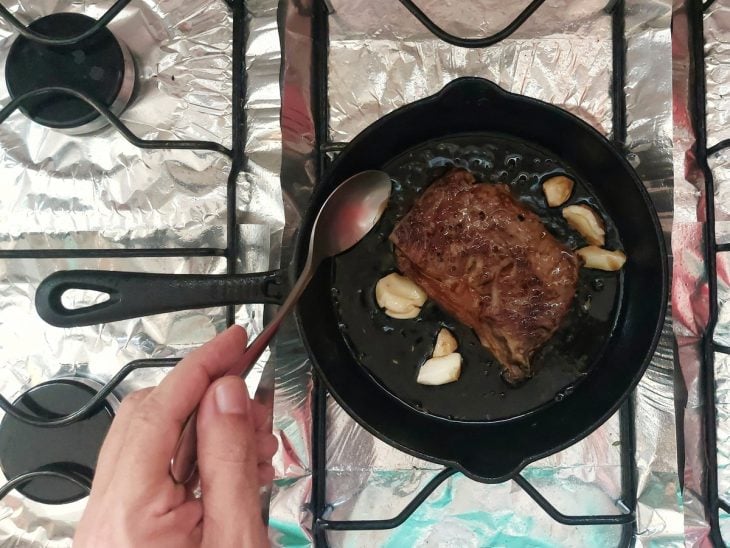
(527, 438)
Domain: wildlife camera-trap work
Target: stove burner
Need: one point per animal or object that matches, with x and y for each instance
(100, 66)
(68, 449)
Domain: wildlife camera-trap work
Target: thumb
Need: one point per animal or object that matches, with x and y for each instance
(227, 464)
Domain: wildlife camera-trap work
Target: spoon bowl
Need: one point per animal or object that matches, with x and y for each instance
(350, 212)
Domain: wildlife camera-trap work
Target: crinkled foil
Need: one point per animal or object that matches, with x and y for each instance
(33, 352)
(98, 191)
(690, 296)
(260, 202)
(289, 520)
(380, 58)
(104, 189)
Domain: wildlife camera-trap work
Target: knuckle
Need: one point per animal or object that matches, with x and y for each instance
(228, 453)
(151, 411)
(267, 446)
(132, 401)
(230, 449)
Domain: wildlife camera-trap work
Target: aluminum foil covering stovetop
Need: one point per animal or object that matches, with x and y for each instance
(717, 67)
(100, 192)
(380, 58)
(690, 295)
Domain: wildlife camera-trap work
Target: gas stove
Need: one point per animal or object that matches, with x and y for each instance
(100, 67)
(185, 136)
(54, 465)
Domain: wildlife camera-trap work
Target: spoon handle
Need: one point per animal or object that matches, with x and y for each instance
(258, 345)
(184, 459)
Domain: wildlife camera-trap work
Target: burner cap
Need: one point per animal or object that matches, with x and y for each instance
(69, 449)
(95, 66)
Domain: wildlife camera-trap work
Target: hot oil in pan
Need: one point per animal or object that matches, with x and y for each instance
(393, 350)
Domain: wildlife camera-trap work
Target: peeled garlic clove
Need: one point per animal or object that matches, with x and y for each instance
(442, 370)
(390, 301)
(409, 314)
(601, 259)
(399, 296)
(586, 221)
(557, 190)
(403, 287)
(445, 344)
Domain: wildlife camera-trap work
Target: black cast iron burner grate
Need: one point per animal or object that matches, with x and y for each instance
(99, 401)
(319, 506)
(710, 496)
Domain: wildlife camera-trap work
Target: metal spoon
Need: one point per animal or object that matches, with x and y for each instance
(349, 213)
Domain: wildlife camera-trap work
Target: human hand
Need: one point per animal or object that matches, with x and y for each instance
(134, 501)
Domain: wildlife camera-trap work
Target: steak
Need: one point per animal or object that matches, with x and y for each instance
(490, 262)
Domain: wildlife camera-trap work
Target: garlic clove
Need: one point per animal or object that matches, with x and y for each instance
(399, 296)
(601, 259)
(445, 343)
(586, 221)
(442, 370)
(404, 287)
(557, 190)
(391, 301)
(409, 314)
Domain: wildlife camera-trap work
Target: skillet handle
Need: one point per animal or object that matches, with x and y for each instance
(134, 294)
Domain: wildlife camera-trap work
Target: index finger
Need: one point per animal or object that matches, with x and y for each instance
(161, 416)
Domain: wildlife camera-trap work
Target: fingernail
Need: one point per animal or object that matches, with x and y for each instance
(231, 397)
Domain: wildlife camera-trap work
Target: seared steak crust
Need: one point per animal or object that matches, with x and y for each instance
(490, 262)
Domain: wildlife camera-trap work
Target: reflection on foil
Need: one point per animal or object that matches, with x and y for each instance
(720, 166)
(289, 519)
(717, 67)
(690, 290)
(717, 72)
(380, 58)
(462, 513)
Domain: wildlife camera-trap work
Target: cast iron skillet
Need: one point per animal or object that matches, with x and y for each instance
(488, 435)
